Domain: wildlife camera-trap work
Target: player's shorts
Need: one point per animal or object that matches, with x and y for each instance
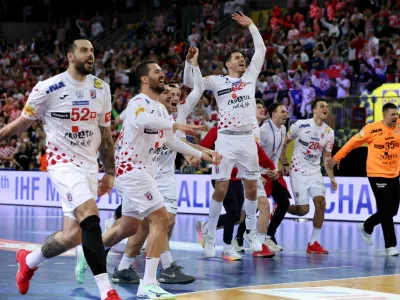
(260, 189)
(166, 184)
(74, 185)
(139, 193)
(239, 151)
(306, 186)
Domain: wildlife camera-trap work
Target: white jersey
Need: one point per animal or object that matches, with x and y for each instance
(72, 112)
(167, 161)
(236, 96)
(310, 141)
(272, 139)
(140, 148)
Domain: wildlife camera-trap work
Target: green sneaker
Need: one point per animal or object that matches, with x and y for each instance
(81, 265)
(152, 291)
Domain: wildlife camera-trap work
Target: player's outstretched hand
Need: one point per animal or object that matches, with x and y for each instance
(242, 19)
(191, 53)
(189, 129)
(334, 184)
(105, 185)
(194, 60)
(331, 163)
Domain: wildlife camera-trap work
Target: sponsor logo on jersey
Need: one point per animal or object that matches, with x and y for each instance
(327, 130)
(63, 96)
(98, 84)
(238, 99)
(139, 110)
(82, 102)
(376, 130)
(322, 135)
(93, 94)
(223, 92)
(55, 87)
(80, 94)
(304, 125)
(83, 134)
(61, 115)
(314, 139)
(150, 131)
(303, 143)
(29, 110)
(389, 138)
(148, 196)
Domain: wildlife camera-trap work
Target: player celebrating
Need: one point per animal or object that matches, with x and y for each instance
(237, 115)
(76, 109)
(383, 173)
(146, 129)
(312, 139)
(171, 273)
(272, 136)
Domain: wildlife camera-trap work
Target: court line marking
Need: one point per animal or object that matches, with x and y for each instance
(295, 270)
(273, 284)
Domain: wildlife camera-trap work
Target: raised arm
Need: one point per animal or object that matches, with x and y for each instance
(188, 74)
(257, 60)
(198, 90)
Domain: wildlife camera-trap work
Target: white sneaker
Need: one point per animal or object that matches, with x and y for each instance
(236, 247)
(253, 241)
(230, 254)
(108, 224)
(152, 291)
(201, 232)
(392, 251)
(272, 246)
(366, 236)
(209, 246)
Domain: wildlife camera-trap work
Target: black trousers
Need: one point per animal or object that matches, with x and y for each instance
(281, 197)
(387, 196)
(233, 203)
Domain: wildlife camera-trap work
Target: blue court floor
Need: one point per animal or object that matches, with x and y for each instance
(349, 257)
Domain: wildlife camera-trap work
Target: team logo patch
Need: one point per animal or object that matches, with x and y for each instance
(29, 110)
(139, 110)
(93, 94)
(69, 196)
(148, 196)
(216, 169)
(296, 195)
(327, 130)
(107, 117)
(322, 135)
(98, 84)
(80, 94)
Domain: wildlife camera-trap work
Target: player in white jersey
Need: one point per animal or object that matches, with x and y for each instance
(76, 111)
(171, 273)
(313, 138)
(146, 129)
(237, 110)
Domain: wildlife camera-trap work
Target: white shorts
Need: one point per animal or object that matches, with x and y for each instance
(239, 151)
(74, 185)
(260, 189)
(166, 184)
(306, 186)
(139, 193)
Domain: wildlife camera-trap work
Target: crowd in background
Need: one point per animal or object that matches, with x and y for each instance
(334, 51)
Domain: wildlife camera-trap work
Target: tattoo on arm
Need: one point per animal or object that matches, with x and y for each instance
(106, 150)
(52, 248)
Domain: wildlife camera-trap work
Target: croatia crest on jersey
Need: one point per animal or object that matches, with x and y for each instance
(148, 196)
(69, 197)
(93, 94)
